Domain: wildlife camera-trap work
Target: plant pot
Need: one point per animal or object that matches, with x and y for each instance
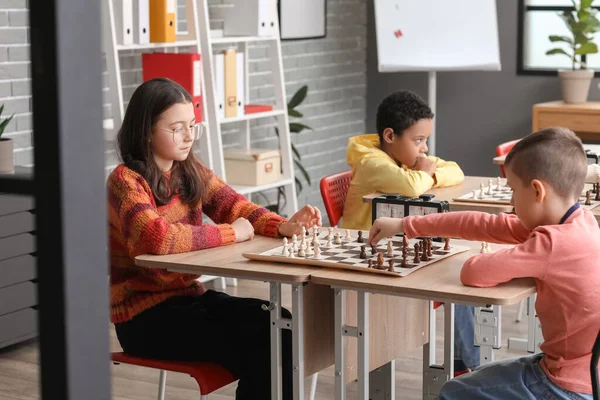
(575, 85)
(7, 164)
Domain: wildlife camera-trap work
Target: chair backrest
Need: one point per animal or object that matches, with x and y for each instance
(333, 190)
(594, 368)
(503, 150)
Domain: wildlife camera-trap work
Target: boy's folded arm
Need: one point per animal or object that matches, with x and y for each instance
(526, 260)
(469, 225)
(447, 173)
(390, 178)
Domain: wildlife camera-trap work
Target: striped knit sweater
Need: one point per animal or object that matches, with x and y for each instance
(137, 226)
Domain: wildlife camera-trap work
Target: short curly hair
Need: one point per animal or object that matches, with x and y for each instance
(401, 110)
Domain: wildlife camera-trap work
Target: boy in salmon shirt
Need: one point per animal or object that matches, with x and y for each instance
(557, 243)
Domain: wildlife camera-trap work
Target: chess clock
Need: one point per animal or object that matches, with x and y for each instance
(592, 157)
(398, 206)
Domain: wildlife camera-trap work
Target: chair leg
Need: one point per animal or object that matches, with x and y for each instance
(203, 397)
(520, 312)
(313, 386)
(162, 383)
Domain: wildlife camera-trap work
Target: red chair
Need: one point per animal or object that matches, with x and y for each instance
(210, 377)
(503, 150)
(333, 190)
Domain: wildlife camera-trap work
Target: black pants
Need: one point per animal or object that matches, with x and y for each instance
(215, 327)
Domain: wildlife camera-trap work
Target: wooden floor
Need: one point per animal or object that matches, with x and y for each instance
(19, 367)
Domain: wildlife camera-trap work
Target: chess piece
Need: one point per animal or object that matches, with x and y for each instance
(338, 238)
(490, 190)
(447, 244)
(309, 249)
(499, 182)
(481, 186)
(285, 245)
(390, 250)
(360, 238)
(380, 261)
(373, 250)
(329, 245)
(391, 268)
(317, 252)
(292, 255)
(348, 238)
(424, 256)
(294, 242)
(303, 231)
(363, 253)
(417, 257)
(301, 252)
(370, 262)
(474, 194)
(488, 248)
(597, 198)
(482, 248)
(404, 263)
(429, 247)
(330, 233)
(588, 200)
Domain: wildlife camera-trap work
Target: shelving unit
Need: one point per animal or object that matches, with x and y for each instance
(211, 145)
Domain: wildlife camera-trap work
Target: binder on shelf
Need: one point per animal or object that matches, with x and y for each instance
(257, 108)
(251, 18)
(220, 85)
(183, 68)
(231, 106)
(124, 21)
(141, 21)
(162, 21)
(241, 84)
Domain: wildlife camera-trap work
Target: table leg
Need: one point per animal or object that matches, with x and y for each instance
(488, 331)
(382, 385)
(435, 375)
(275, 312)
(298, 339)
(340, 344)
(363, 346)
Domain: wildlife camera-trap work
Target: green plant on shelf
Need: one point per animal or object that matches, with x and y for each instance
(5, 122)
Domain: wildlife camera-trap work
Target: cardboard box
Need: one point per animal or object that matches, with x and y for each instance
(252, 167)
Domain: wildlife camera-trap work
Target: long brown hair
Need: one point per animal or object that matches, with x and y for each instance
(148, 102)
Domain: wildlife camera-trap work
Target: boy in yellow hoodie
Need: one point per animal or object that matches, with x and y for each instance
(394, 161)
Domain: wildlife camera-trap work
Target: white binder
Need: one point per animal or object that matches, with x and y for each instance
(124, 21)
(141, 22)
(251, 18)
(220, 85)
(241, 84)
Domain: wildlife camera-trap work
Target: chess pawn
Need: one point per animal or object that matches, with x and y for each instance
(363, 253)
(370, 263)
(373, 250)
(338, 238)
(360, 238)
(488, 248)
(348, 238)
(447, 244)
(309, 249)
(390, 250)
(329, 245)
(588, 200)
(301, 252)
(391, 267)
(499, 182)
(285, 249)
(317, 252)
(483, 248)
(330, 233)
(474, 194)
(380, 261)
(417, 256)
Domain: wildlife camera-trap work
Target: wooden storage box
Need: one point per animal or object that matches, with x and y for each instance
(252, 167)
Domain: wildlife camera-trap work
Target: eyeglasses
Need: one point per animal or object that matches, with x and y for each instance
(196, 131)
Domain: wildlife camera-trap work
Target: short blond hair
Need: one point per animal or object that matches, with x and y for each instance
(554, 155)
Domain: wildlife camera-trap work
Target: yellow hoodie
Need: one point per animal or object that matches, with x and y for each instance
(374, 171)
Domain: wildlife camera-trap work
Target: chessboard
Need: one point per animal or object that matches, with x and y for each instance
(499, 193)
(347, 254)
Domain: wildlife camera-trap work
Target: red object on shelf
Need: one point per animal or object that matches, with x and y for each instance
(257, 108)
(183, 68)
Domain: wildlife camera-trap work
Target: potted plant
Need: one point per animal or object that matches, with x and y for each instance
(6, 146)
(583, 24)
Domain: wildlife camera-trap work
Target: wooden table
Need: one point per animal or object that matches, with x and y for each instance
(312, 309)
(448, 193)
(583, 119)
(439, 281)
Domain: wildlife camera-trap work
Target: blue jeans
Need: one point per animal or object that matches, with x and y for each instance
(466, 354)
(511, 379)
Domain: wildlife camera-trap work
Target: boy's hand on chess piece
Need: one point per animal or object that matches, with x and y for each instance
(243, 230)
(385, 227)
(307, 217)
(426, 165)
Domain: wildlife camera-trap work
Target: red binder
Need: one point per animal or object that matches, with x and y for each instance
(183, 68)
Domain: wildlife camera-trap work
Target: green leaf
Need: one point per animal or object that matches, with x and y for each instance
(298, 97)
(588, 48)
(301, 167)
(4, 123)
(556, 38)
(277, 131)
(1, 108)
(295, 150)
(557, 51)
(585, 4)
(294, 113)
(297, 128)
(299, 186)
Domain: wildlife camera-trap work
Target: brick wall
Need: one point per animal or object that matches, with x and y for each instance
(334, 68)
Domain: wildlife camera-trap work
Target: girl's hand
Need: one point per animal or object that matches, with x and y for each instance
(385, 227)
(243, 230)
(307, 217)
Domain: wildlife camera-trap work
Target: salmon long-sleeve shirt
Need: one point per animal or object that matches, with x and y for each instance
(563, 259)
(138, 226)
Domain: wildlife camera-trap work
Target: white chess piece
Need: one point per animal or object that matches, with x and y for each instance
(488, 248)
(303, 231)
(294, 239)
(338, 238)
(301, 252)
(499, 183)
(481, 189)
(329, 245)
(390, 250)
(348, 238)
(330, 233)
(474, 194)
(309, 250)
(317, 252)
(483, 248)
(285, 245)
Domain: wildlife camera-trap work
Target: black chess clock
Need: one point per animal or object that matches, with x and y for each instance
(593, 157)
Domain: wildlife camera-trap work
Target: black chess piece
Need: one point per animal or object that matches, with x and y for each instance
(404, 263)
(373, 250)
(447, 244)
(391, 263)
(380, 261)
(360, 238)
(429, 247)
(588, 200)
(597, 197)
(424, 252)
(370, 262)
(363, 253)
(417, 256)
